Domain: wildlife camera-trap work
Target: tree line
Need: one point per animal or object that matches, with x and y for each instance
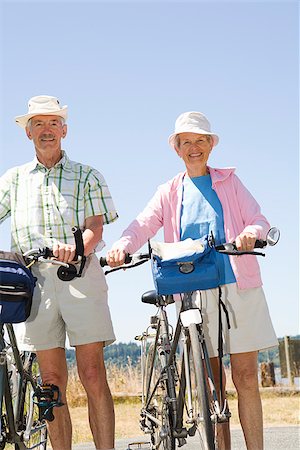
(122, 354)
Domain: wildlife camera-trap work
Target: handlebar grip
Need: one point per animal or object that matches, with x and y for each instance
(78, 242)
(128, 258)
(260, 243)
(103, 261)
(48, 252)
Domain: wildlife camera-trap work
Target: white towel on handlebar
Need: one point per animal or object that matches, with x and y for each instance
(174, 250)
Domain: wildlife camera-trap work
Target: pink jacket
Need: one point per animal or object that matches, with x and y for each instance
(241, 213)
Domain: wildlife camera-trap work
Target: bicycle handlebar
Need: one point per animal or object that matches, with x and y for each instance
(66, 271)
(42, 255)
(138, 258)
(134, 260)
(228, 248)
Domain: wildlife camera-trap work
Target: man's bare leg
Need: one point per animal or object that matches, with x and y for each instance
(91, 370)
(245, 378)
(53, 368)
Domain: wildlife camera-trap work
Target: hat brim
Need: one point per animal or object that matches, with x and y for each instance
(23, 120)
(171, 139)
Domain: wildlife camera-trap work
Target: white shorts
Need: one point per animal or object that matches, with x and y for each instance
(76, 308)
(251, 327)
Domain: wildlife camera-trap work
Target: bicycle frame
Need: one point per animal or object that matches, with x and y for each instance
(162, 346)
(14, 378)
(178, 385)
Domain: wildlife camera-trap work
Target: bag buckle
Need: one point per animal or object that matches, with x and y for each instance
(186, 267)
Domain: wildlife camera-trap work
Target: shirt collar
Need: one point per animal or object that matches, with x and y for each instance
(64, 162)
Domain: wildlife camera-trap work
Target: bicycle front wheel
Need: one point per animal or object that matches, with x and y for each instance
(156, 412)
(31, 428)
(201, 404)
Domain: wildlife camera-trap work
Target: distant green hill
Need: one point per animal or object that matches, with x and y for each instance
(120, 354)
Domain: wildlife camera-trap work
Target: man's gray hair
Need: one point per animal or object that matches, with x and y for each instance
(28, 125)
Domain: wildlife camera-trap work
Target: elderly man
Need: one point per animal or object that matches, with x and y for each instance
(191, 205)
(45, 199)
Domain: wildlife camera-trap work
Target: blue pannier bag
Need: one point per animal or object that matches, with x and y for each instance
(184, 266)
(16, 290)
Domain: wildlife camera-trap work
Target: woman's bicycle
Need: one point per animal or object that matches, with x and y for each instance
(25, 402)
(179, 395)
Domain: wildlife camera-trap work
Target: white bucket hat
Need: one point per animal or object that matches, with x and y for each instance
(42, 105)
(192, 122)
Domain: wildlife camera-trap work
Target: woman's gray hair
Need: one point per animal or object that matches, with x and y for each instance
(177, 139)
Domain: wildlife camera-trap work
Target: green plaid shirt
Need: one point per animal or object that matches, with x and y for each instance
(44, 204)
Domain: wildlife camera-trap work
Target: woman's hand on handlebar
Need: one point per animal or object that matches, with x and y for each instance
(64, 252)
(115, 257)
(245, 242)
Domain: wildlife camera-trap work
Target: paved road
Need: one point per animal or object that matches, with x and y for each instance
(276, 438)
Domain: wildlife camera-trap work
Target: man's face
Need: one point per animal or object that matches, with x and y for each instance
(46, 132)
(194, 149)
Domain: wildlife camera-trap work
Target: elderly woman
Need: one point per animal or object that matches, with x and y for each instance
(191, 205)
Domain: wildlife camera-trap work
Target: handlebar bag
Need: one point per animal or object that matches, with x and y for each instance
(185, 266)
(16, 290)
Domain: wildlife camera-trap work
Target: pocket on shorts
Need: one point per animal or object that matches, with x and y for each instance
(94, 273)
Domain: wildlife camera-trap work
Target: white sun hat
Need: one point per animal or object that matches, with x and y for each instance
(42, 105)
(192, 122)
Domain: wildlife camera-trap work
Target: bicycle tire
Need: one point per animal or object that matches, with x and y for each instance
(31, 428)
(161, 435)
(205, 426)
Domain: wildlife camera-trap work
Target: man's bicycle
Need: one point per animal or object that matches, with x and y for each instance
(22, 420)
(25, 402)
(179, 395)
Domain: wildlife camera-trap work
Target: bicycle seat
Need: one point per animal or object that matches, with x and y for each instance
(153, 298)
(150, 297)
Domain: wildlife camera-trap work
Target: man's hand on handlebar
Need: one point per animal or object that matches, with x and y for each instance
(64, 252)
(245, 242)
(116, 257)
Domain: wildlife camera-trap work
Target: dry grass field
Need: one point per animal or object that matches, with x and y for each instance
(279, 410)
(280, 407)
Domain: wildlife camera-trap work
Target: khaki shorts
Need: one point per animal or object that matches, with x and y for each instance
(251, 325)
(76, 308)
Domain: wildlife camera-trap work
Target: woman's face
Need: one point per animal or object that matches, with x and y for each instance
(194, 149)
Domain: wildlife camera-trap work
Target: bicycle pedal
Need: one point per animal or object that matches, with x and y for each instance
(181, 442)
(139, 445)
(180, 433)
(192, 430)
(223, 419)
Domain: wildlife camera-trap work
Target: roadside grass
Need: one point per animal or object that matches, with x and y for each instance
(279, 410)
(280, 406)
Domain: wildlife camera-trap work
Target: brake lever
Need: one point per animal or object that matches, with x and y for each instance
(125, 267)
(55, 262)
(229, 248)
(238, 253)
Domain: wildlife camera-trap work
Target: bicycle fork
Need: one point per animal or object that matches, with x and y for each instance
(219, 413)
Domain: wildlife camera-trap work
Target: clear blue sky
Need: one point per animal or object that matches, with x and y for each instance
(127, 70)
